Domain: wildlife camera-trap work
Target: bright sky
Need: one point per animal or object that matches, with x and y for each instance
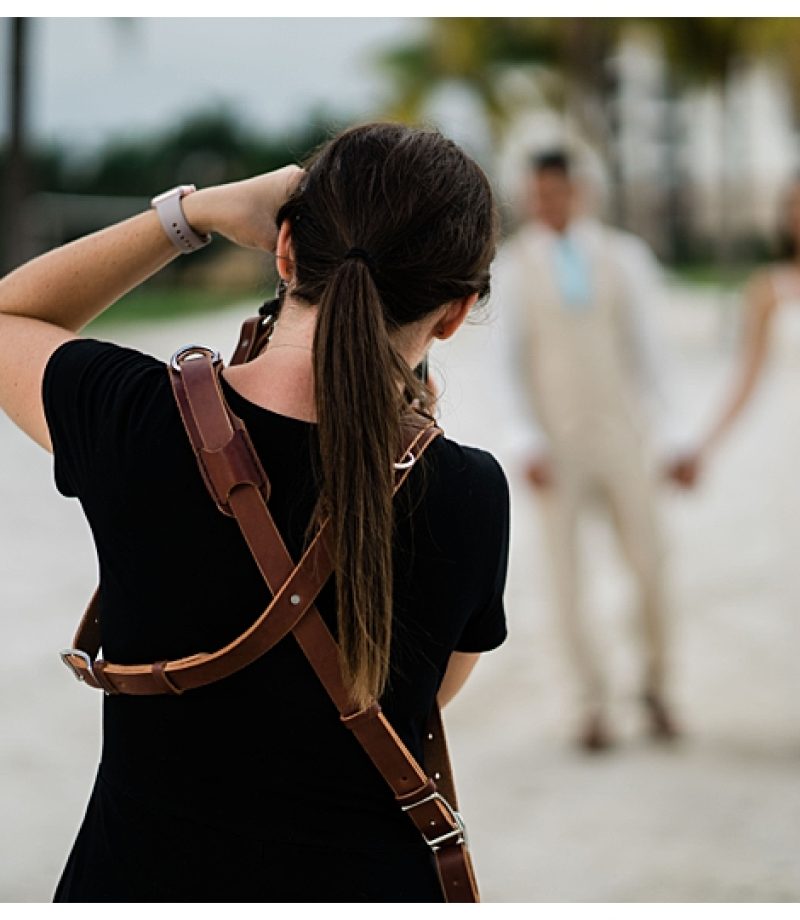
(92, 78)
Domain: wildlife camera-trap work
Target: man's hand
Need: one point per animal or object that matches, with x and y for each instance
(685, 470)
(539, 472)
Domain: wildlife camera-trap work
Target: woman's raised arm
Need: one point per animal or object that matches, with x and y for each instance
(47, 301)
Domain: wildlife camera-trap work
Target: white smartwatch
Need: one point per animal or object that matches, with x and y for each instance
(170, 213)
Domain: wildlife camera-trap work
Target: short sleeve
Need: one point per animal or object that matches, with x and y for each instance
(92, 391)
(486, 628)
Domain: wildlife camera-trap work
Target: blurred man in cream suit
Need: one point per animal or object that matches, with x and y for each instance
(586, 381)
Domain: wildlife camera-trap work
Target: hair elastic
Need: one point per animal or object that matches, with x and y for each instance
(356, 253)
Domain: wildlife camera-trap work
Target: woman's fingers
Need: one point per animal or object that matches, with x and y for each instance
(244, 211)
(262, 198)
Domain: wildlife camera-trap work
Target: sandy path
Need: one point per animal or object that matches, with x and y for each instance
(716, 818)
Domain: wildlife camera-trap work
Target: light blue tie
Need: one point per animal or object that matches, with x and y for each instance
(572, 274)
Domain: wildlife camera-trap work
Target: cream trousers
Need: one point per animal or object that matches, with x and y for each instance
(625, 491)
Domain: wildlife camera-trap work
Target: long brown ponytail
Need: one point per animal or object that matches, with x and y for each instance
(390, 224)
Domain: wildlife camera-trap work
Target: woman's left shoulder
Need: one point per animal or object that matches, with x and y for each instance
(473, 470)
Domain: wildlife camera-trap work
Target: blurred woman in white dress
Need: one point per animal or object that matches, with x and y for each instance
(771, 321)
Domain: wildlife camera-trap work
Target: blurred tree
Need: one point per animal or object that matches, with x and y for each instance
(460, 50)
(208, 147)
(707, 52)
(478, 52)
(710, 52)
(22, 166)
(572, 60)
(777, 41)
(15, 167)
(569, 61)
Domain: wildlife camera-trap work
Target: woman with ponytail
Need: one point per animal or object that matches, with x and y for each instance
(251, 789)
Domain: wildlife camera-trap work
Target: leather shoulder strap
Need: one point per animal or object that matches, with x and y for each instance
(433, 814)
(254, 335)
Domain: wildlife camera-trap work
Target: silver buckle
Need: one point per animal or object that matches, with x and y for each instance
(189, 350)
(459, 834)
(79, 654)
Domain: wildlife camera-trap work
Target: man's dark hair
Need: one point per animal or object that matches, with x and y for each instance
(556, 160)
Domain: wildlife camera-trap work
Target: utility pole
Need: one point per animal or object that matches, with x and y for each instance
(14, 242)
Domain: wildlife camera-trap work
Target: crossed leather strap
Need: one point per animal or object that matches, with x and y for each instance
(238, 484)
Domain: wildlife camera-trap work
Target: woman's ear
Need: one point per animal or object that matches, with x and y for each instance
(284, 252)
(453, 315)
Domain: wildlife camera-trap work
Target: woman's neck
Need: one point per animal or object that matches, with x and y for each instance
(281, 378)
(295, 326)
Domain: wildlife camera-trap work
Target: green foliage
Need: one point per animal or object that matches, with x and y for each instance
(157, 302)
(712, 274)
(209, 147)
(44, 167)
(475, 51)
(471, 51)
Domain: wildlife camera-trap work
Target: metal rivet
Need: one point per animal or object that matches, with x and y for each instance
(294, 599)
(430, 736)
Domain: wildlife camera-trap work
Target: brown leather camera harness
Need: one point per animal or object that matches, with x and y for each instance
(238, 484)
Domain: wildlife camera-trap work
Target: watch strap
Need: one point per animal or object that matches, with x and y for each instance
(170, 212)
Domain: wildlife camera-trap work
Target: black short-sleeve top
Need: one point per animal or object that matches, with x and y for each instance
(254, 751)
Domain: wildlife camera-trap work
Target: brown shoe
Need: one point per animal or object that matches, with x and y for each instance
(662, 725)
(595, 736)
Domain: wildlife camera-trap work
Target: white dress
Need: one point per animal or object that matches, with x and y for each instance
(777, 416)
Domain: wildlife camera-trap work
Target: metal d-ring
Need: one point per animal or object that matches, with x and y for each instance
(404, 464)
(187, 350)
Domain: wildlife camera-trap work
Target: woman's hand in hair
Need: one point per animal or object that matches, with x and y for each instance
(243, 212)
